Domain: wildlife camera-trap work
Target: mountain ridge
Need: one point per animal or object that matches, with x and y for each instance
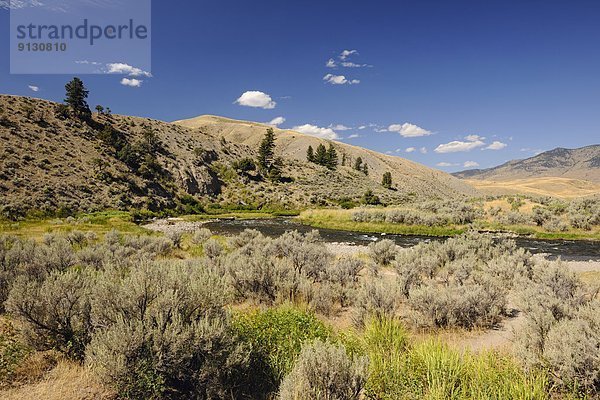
(581, 163)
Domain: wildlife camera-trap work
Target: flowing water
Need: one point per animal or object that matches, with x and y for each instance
(579, 250)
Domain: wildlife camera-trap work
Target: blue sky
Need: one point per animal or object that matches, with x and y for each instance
(453, 82)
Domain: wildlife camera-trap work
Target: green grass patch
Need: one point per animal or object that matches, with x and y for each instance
(342, 220)
(276, 337)
(402, 369)
(99, 223)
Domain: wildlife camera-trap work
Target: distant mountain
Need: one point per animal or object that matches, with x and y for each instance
(582, 164)
(50, 161)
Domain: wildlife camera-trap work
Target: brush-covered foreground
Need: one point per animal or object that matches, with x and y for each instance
(206, 317)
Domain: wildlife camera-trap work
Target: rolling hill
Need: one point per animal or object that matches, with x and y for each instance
(50, 161)
(581, 164)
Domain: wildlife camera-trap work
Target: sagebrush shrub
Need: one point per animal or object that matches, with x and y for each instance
(383, 251)
(170, 359)
(212, 248)
(55, 312)
(325, 372)
(201, 235)
(377, 298)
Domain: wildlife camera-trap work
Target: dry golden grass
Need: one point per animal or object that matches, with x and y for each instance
(67, 380)
(548, 186)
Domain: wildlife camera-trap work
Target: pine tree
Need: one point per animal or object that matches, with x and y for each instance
(76, 95)
(321, 155)
(358, 164)
(331, 161)
(344, 159)
(365, 169)
(266, 151)
(386, 182)
(310, 154)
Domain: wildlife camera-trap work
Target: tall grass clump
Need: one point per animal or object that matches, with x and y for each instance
(402, 369)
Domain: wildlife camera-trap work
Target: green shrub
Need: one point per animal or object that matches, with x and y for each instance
(276, 336)
(325, 372)
(12, 351)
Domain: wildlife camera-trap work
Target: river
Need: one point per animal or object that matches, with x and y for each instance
(576, 250)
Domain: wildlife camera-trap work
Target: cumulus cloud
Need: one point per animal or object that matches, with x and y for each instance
(131, 82)
(324, 133)
(474, 138)
(408, 130)
(339, 80)
(445, 164)
(340, 127)
(126, 69)
(344, 55)
(496, 146)
(410, 149)
(470, 164)
(34, 88)
(257, 99)
(276, 121)
(457, 146)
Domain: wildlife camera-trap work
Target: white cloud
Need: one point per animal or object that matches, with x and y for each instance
(410, 149)
(360, 128)
(34, 88)
(445, 164)
(408, 130)
(340, 127)
(126, 69)
(276, 121)
(470, 164)
(131, 82)
(331, 63)
(423, 150)
(349, 64)
(255, 98)
(87, 62)
(456, 146)
(353, 136)
(347, 53)
(496, 146)
(339, 80)
(324, 133)
(474, 138)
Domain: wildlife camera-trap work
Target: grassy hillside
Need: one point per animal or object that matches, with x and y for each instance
(52, 162)
(580, 164)
(550, 186)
